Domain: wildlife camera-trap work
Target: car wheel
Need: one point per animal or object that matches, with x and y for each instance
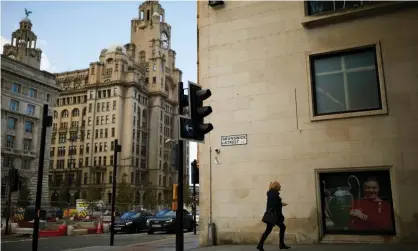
(150, 232)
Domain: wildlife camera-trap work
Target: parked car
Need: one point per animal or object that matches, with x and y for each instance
(132, 222)
(166, 222)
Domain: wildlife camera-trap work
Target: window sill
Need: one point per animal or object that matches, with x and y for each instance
(350, 14)
(383, 111)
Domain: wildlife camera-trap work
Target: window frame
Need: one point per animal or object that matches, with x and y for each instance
(28, 111)
(344, 15)
(324, 13)
(19, 88)
(32, 125)
(14, 101)
(16, 121)
(347, 114)
(35, 93)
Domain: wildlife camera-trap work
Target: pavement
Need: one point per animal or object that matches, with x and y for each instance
(316, 247)
(166, 242)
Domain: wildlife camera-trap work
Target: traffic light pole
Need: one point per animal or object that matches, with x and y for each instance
(180, 173)
(180, 200)
(116, 150)
(46, 122)
(194, 206)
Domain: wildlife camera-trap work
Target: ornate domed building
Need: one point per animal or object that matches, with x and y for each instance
(129, 94)
(25, 88)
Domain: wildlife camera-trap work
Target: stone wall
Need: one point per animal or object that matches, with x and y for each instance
(254, 58)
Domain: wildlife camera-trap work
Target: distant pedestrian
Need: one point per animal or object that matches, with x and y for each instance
(273, 215)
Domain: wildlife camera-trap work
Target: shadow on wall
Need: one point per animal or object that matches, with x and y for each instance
(300, 230)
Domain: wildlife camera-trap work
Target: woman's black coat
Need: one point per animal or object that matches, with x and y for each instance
(274, 204)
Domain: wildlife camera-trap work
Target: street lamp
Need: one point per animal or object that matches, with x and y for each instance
(170, 140)
(72, 190)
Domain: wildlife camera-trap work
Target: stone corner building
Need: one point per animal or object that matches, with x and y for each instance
(24, 90)
(129, 94)
(327, 95)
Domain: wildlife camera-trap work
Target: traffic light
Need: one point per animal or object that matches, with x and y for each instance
(198, 112)
(195, 172)
(216, 3)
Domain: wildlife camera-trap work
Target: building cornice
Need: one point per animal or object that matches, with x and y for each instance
(14, 67)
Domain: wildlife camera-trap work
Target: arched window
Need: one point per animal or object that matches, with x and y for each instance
(64, 114)
(75, 112)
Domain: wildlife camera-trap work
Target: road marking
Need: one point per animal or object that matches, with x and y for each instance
(30, 239)
(86, 236)
(154, 241)
(149, 242)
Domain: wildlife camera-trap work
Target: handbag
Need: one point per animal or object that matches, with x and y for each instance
(270, 217)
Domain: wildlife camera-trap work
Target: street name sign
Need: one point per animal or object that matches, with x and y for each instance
(233, 140)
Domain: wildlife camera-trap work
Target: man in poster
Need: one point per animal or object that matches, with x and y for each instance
(371, 213)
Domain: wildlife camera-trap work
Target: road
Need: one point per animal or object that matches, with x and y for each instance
(75, 242)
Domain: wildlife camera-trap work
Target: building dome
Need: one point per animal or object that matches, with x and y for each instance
(26, 19)
(116, 48)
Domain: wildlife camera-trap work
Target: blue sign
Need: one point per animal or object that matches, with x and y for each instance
(186, 128)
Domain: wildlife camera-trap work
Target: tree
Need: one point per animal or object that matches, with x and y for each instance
(125, 195)
(64, 196)
(168, 199)
(92, 196)
(186, 195)
(24, 197)
(150, 198)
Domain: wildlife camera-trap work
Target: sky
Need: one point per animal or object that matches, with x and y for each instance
(72, 34)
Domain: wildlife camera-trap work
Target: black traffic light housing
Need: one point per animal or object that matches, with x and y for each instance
(195, 172)
(216, 3)
(183, 99)
(198, 112)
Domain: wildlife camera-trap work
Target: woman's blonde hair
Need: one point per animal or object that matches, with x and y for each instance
(274, 185)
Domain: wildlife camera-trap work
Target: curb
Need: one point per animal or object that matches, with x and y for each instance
(87, 231)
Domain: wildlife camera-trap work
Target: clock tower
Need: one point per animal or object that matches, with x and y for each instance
(150, 48)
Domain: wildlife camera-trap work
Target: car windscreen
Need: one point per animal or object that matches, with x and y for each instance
(162, 212)
(170, 213)
(128, 216)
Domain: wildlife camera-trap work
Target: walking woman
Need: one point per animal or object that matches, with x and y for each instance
(273, 215)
